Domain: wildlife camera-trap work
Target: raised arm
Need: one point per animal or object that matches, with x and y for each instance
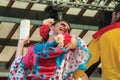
(20, 46)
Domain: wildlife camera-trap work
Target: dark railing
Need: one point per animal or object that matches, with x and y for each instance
(3, 78)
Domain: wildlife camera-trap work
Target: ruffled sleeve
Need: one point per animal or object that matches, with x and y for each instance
(18, 71)
(84, 53)
(74, 60)
(21, 66)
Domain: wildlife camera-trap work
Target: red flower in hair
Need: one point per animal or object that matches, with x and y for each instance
(44, 31)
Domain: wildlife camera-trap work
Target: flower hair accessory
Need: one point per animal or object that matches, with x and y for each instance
(48, 21)
(44, 31)
(45, 28)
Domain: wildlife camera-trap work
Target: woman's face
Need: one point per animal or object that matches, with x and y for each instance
(115, 17)
(61, 27)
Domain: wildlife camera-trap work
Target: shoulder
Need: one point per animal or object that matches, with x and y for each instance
(36, 44)
(31, 49)
(31, 46)
(38, 47)
(102, 31)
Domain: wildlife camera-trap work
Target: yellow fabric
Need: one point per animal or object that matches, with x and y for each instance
(107, 47)
(110, 54)
(94, 50)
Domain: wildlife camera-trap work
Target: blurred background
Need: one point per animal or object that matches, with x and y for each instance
(85, 17)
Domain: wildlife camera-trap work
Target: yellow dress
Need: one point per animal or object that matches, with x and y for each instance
(106, 47)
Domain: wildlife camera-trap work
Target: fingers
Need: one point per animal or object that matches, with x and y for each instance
(26, 40)
(60, 45)
(67, 45)
(71, 75)
(84, 77)
(68, 48)
(72, 44)
(74, 41)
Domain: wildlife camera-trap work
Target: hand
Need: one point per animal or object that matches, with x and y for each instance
(72, 44)
(20, 46)
(84, 77)
(25, 41)
(60, 45)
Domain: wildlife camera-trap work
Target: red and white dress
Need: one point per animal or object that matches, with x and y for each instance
(49, 63)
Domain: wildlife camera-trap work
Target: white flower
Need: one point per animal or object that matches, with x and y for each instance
(48, 21)
(59, 39)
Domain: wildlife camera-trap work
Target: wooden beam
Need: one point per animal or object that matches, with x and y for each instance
(40, 15)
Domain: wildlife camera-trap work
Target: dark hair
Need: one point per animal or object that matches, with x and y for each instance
(117, 8)
(61, 21)
(44, 40)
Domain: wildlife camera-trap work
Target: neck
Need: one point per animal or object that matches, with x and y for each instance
(51, 38)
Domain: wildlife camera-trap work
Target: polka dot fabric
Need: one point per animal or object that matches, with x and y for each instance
(17, 70)
(72, 61)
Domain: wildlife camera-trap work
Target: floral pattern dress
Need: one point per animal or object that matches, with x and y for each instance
(50, 63)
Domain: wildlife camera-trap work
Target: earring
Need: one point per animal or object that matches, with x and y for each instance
(51, 32)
